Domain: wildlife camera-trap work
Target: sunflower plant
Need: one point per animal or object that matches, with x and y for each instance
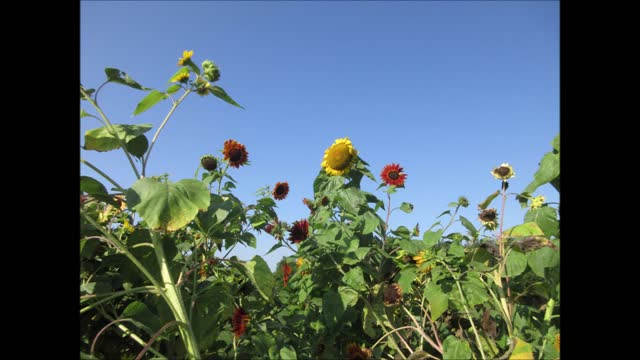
(158, 277)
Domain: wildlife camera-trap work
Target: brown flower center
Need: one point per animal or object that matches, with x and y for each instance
(503, 171)
(393, 175)
(280, 190)
(235, 154)
(339, 157)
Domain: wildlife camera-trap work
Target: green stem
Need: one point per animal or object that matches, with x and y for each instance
(222, 177)
(164, 122)
(453, 217)
(112, 132)
(422, 333)
(466, 309)
(113, 295)
(113, 182)
(174, 298)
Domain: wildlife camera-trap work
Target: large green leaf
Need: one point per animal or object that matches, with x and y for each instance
(101, 139)
(355, 279)
(260, 275)
(213, 305)
(431, 238)
(406, 278)
(288, 353)
(474, 291)
(92, 186)
(168, 205)
(522, 351)
(549, 169)
(516, 263)
(332, 308)
(467, 224)
(139, 311)
(546, 218)
(219, 92)
(348, 296)
(438, 301)
(542, 258)
(351, 199)
(371, 222)
(455, 349)
(120, 77)
(483, 205)
(526, 229)
(149, 101)
(138, 146)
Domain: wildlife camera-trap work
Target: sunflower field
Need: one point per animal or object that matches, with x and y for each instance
(155, 283)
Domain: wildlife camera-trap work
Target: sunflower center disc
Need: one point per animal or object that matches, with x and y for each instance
(393, 175)
(339, 157)
(235, 154)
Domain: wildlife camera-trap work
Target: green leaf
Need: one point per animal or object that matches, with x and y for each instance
(467, 224)
(259, 274)
(402, 231)
(412, 247)
(219, 92)
(548, 171)
(149, 101)
(526, 229)
(249, 239)
(168, 205)
(173, 89)
(546, 218)
(92, 186)
(348, 296)
(431, 238)
(406, 207)
(138, 146)
(288, 353)
(522, 351)
(542, 258)
(483, 205)
(332, 308)
(456, 249)
(139, 311)
(120, 77)
(474, 291)
(213, 306)
(351, 199)
(101, 139)
(406, 278)
(555, 143)
(83, 113)
(274, 248)
(455, 349)
(516, 264)
(438, 301)
(371, 222)
(355, 279)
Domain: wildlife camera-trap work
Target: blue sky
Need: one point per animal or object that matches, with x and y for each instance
(448, 90)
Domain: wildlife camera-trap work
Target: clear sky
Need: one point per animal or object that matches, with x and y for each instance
(449, 90)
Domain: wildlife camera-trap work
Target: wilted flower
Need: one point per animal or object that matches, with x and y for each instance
(209, 162)
(463, 201)
(503, 172)
(488, 218)
(392, 294)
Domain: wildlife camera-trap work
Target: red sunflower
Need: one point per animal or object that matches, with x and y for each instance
(239, 321)
(235, 153)
(281, 190)
(393, 175)
(299, 231)
(286, 271)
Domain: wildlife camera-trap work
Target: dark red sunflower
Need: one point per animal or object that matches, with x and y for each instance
(281, 190)
(299, 231)
(268, 228)
(286, 272)
(235, 153)
(393, 175)
(355, 352)
(239, 321)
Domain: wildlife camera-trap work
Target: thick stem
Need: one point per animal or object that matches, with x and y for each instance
(155, 136)
(175, 301)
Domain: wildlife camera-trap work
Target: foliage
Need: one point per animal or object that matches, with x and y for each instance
(155, 282)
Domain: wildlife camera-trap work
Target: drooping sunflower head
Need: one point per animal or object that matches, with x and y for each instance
(392, 175)
(209, 162)
(392, 294)
(488, 218)
(235, 153)
(239, 321)
(182, 76)
(537, 201)
(355, 352)
(339, 157)
(463, 201)
(299, 231)
(503, 172)
(281, 190)
(202, 87)
(186, 56)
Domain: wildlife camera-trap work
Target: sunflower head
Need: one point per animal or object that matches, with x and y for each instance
(182, 76)
(235, 153)
(211, 71)
(488, 218)
(281, 190)
(339, 157)
(537, 201)
(463, 201)
(299, 231)
(392, 175)
(309, 204)
(392, 295)
(202, 87)
(286, 272)
(186, 57)
(239, 321)
(299, 262)
(503, 172)
(209, 162)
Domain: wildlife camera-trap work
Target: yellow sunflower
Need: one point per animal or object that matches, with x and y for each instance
(537, 201)
(186, 56)
(339, 157)
(503, 172)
